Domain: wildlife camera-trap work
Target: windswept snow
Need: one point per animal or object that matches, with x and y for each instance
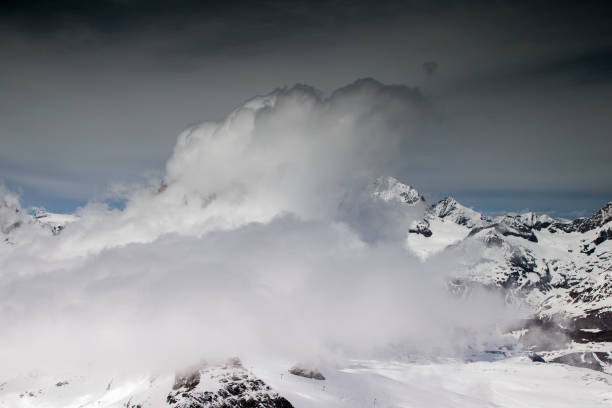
(503, 383)
(445, 233)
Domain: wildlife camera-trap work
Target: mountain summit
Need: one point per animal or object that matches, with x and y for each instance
(390, 189)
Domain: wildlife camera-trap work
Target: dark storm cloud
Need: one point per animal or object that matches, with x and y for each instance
(591, 67)
(97, 91)
(241, 20)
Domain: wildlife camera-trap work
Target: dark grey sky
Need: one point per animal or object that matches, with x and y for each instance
(521, 92)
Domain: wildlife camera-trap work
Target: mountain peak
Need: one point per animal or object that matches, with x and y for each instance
(390, 189)
(603, 215)
(598, 219)
(451, 209)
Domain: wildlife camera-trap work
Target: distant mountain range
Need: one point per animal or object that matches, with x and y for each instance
(560, 269)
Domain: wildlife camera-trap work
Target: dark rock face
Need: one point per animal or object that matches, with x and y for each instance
(536, 358)
(445, 207)
(187, 379)
(539, 225)
(523, 261)
(604, 235)
(236, 388)
(601, 217)
(595, 319)
(529, 236)
(594, 292)
(493, 240)
(422, 227)
(476, 230)
(520, 264)
(303, 372)
(449, 207)
(548, 334)
(511, 225)
(503, 229)
(410, 198)
(581, 336)
(596, 326)
(592, 360)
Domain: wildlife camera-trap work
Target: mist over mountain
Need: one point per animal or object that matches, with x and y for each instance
(270, 214)
(279, 234)
(305, 204)
(517, 101)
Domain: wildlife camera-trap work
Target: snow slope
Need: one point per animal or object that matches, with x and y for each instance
(506, 382)
(556, 266)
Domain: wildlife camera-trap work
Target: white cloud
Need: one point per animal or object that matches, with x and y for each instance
(260, 240)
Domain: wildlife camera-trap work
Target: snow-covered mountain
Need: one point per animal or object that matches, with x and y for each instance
(561, 270)
(390, 189)
(14, 220)
(55, 221)
(222, 386)
(11, 215)
(492, 380)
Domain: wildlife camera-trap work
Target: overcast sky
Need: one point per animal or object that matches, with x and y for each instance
(518, 93)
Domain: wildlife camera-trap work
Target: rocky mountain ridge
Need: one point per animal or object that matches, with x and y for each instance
(560, 269)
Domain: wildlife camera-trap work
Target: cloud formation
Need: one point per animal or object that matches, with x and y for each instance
(95, 94)
(291, 151)
(262, 237)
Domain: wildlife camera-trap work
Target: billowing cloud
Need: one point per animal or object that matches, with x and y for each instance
(291, 151)
(287, 289)
(264, 236)
(95, 94)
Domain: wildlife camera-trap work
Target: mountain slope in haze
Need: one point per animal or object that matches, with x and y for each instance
(562, 269)
(264, 238)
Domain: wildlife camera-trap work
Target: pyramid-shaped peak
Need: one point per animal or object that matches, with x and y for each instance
(389, 188)
(450, 209)
(603, 215)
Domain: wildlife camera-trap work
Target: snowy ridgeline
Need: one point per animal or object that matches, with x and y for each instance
(561, 269)
(492, 380)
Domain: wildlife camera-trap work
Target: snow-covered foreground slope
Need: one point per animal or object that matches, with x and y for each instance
(512, 382)
(504, 383)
